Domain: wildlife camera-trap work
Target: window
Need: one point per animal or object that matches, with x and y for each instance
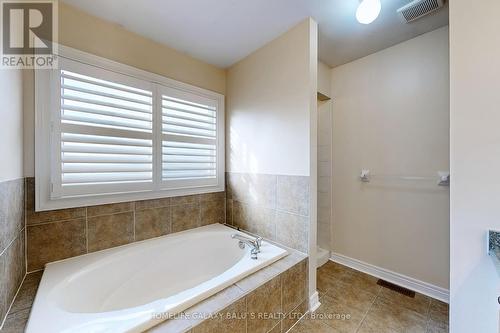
(107, 132)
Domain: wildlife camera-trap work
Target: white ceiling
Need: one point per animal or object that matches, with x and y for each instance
(221, 32)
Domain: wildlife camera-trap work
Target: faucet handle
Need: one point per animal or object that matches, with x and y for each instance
(258, 240)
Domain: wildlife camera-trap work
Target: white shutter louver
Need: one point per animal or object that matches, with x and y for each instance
(106, 132)
(189, 138)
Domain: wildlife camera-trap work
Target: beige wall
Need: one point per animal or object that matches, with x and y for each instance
(475, 159)
(268, 107)
(271, 125)
(391, 115)
(11, 124)
(91, 34)
(84, 32)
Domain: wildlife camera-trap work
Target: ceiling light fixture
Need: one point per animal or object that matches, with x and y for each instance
(368, 11)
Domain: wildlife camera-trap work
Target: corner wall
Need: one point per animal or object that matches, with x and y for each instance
(391, 115)
(475, 160)
(271, 140)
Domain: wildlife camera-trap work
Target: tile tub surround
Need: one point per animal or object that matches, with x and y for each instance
(270, 300)
(228, 311)
(273, 206)
(12, 242)
(65, 233)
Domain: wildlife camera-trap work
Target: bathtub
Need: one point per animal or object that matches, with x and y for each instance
(127, 288)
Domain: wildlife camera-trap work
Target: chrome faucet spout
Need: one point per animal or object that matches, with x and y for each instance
(254, 244)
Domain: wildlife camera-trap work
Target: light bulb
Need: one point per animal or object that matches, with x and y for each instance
(368, 11)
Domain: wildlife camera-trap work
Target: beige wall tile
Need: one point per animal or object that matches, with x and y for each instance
(110, 209)
(185, 200)
(211, 325)
(155, 203)
(110, 230)
(234, 317)
(33, 217)
(153, 218)
(185, 217)
(229, 211)
(262, 305)
(212, 196)
(212, 212)
(12, 241)
(256, 219)
(293, 194)
(151, 223)
(54, 215)
(294, 286)
(54, 241)
(11, 211)
(292, 231)
(256, 189)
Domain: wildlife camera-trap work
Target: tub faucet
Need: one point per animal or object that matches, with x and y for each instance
(254, 244)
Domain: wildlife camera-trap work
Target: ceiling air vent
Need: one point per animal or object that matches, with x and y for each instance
(418, 8)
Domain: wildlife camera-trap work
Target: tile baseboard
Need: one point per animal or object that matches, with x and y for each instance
(422, 287)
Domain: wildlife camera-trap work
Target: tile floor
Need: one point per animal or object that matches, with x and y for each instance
(352, 302)
(18, 315)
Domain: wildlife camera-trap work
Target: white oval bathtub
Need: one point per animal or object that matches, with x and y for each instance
(124, 289)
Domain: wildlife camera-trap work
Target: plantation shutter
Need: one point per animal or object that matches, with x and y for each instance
(189, 139)
(105, 132)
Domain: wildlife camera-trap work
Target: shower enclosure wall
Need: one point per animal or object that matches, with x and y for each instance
(324, 180)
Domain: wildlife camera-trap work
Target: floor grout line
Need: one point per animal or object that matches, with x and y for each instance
(368, 310)
(428, 316)
(7, 313)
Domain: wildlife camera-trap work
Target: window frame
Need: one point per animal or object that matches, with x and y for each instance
(47, 145)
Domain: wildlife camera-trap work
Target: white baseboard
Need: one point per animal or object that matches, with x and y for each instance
(396, 278)
(314, 303)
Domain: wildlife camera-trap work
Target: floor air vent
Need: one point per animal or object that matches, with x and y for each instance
(419, 8)
(396, 288)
